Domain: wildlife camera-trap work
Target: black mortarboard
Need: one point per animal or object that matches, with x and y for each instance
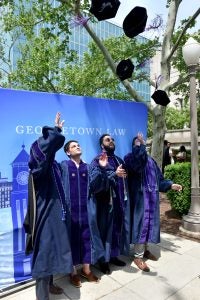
(135, 22)
(104, 9)
(125, 69)
(160, 97)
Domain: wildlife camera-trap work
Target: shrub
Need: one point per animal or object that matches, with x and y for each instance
(180, 173)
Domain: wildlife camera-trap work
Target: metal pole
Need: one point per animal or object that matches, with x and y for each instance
(191, 221)
(194, 131)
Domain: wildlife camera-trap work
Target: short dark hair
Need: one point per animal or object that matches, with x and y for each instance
(182, 148)
(102, 137)
(166, 142)
(66, 146)
(133, 141)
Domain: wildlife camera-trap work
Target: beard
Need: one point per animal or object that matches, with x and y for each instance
(109, 150)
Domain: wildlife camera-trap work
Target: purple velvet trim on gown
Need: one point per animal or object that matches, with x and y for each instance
(51, 252)
(150, 191)
(118, 210)
(37, 155)
(60, 189)
(78, 195)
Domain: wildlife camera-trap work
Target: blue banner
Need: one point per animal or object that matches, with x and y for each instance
(22, 116)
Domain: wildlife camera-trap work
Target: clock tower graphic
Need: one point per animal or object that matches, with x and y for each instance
(19, 198)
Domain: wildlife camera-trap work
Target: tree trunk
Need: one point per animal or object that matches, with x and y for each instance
(159, 126)
(158, 133)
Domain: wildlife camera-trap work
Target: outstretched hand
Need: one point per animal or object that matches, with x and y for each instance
(120, 172)
(58, 122)
(140, 138)
(176, 187)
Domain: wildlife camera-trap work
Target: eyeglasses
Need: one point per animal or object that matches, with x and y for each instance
(109, 140)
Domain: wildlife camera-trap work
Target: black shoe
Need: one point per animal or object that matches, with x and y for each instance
(104, 267)
(117, 262)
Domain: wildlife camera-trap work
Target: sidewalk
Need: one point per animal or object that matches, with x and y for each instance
(174, 277)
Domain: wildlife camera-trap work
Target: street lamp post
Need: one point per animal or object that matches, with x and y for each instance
(191, 221)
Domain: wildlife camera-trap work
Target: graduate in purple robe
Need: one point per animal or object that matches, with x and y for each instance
(46, 219)
(108, 206)
(145, 182)
(76, 186)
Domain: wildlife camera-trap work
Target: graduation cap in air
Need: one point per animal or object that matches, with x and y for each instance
(135, 22)
(160, 97)
(125, 69)
(104, 9)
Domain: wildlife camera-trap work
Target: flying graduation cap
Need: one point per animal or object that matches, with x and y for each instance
(135, 22)
(160, 97)
(104, 9)
(125, 69)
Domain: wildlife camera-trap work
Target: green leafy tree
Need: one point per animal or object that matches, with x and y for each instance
(39, 32)
(94, 77)
(41, 63)
(177, 119)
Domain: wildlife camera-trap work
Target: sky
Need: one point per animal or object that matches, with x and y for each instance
(154, 7)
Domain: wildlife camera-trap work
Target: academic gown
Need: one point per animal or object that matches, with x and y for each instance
(145, 181)
(108, 210)
(51, 248)
(75, 181)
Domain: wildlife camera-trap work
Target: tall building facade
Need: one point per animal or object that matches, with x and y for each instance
(79, 42)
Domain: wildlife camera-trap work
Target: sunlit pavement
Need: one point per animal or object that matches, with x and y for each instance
(174, 277)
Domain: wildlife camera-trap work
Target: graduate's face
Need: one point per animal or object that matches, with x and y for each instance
(108, 143)
(74, 149)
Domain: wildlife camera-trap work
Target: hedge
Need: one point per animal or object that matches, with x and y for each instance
(180, 173)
